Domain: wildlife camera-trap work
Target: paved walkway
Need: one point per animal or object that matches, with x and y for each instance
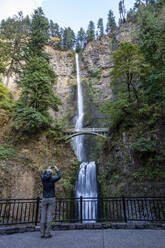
(87, 239)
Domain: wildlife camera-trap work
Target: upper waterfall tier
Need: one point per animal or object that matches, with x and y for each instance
(77, 142)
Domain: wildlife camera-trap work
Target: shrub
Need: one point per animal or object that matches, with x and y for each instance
(30, 120)
(144, 145)
(6, 152)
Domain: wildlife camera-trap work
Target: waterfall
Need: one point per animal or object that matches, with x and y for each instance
(77, 142)
(86, 185)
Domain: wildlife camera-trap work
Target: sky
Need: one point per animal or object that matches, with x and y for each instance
(67, 13)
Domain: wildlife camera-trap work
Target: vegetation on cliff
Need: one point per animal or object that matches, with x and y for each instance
(136, 113)
(29, 137)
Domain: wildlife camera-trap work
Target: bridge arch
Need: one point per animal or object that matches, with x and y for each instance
(71, 133)
(82, 133)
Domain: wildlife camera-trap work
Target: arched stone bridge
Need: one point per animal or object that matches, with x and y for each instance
(70, 133)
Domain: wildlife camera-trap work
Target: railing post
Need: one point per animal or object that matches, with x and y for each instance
(80, 209)
(37, 210)
(124, 209)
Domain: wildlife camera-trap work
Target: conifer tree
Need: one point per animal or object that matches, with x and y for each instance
(39, 33)
(36, 82)
(55, 35)
(80, 41)
(90, 32)
(111, 24)
(5, 48)
(100, 27)
(16, 31)
(52, 28)
(68, 38)
(122, 11)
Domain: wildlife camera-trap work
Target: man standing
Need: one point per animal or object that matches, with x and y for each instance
(48, 201)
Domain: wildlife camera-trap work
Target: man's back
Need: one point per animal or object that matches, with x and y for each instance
(48, 184)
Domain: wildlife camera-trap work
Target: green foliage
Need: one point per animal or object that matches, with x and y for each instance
(36, 82)
(56, 131)
(6, 152)
(144, 173)
(131, 16)
(68, 39)
(80, 41)
(129, 65)
(144, 145)
(96, 74)
(70, 179)
(4, 53)
(5, 98)
(90, 35)
(15, 31)
(151, 20)
(115, 178)
(68, 186)
(28, 119)
(119, 110)
(111, 24)
(100, 27)
(114, 44)
(122, 11)
(39, 33)
(37, 96)
(37, 85)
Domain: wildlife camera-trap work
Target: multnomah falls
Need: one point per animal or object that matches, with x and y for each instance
(86, 184)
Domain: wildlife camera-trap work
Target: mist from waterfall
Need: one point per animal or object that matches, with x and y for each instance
(86, 184)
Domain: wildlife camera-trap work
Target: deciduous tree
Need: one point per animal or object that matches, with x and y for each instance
(129, 66)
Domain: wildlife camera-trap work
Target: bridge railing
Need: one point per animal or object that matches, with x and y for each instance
(69, 210)
(72, 130)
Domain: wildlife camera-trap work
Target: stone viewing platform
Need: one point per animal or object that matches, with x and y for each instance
(91, 235)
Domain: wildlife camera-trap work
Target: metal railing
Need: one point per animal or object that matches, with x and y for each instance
(70, 210)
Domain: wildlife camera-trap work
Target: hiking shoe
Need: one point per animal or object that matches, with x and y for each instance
(48, 236)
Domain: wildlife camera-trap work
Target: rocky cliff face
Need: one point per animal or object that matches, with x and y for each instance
(23, 161)
(132, 172)
(95, 66)
(63, 64)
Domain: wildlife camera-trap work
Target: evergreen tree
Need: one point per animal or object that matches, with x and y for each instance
(55, 35)
(122, 11)
(151, 20)
(90, 32)
(39, 33)
(16, 31)
(52, 28)
(80, 41)
(68, 38)
(111, 24)
(5, 48)
(36, 82)
(61, 45)
(57, 30)
(100, 27)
